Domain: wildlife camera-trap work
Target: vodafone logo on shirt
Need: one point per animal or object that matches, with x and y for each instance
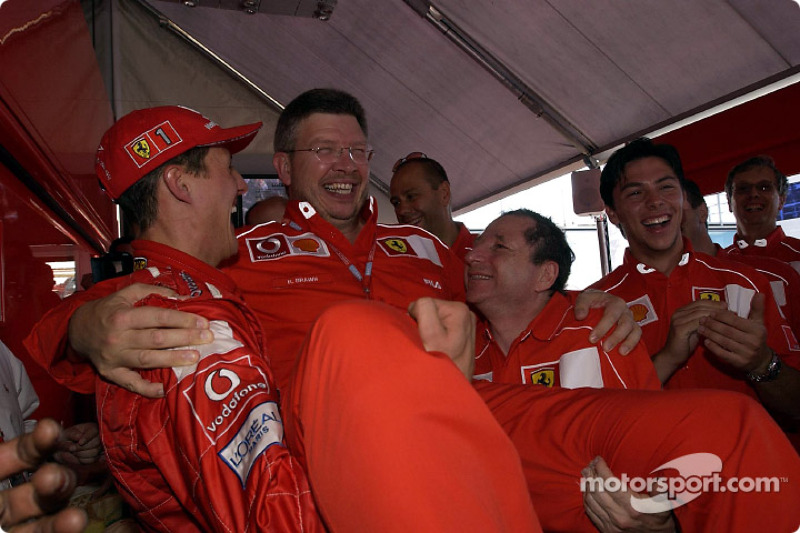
(227, 391)
(221, 375)
(278, 245)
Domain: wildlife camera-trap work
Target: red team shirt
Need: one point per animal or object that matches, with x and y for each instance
(291, 272)
(463, 242)
(654, 297)
(777, 245)
(554, 351)
(783, 279)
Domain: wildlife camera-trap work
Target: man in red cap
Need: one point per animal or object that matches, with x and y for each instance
(170, 170)
(210, 454)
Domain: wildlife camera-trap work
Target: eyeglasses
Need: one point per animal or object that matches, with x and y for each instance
(329, 155)
(764, 187)
(409, 157)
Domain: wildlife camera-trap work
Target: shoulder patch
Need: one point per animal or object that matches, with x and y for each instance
(643, 310)
(279, 245)
(410, 246)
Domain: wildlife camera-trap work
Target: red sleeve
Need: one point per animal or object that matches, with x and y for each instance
(780, 336)
(454, 274)
(636, 369)
(214, 446)
(48, 346)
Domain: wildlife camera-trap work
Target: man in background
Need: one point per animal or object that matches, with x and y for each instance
(756, 192)
(420, 194)
(783, 279)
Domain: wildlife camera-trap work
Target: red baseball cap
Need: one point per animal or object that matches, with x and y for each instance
(143, 140)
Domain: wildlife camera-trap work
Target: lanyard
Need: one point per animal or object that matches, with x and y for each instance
(364, 279)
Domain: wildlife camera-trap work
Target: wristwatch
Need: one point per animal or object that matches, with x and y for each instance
(773, 369)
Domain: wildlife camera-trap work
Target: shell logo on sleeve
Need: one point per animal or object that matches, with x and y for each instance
(643, 310)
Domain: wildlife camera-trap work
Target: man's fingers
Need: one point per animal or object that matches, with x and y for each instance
(602, 468)
(70, 520)
(139, 291)
(151, 318)
(757, 305)
(27, 451)
(627, 333)
(50, 486)
(53, 486)
(20, 504)
(134, 382)
(429, 324)
(171, 318)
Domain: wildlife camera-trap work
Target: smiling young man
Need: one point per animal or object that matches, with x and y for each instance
(708, 323)
(756, 192)
(420, 194)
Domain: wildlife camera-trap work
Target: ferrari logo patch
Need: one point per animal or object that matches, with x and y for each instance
(713, 296)
(545, 377)
(405, 246)
(141, 148)
(398, 245)
(151, 143)
(706, 293)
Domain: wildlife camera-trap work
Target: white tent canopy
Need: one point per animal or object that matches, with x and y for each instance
(512, 92)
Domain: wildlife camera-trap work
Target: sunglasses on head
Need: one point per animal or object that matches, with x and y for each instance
(409, 157)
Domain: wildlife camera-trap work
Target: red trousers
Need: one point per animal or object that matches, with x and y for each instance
(395, 439)
(557, 432)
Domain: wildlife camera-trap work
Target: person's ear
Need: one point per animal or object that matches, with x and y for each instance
(548, 273)
(444, 189)
(283, 165)
(702, 212)
(612, 216)
(781, 201)
(176, 179)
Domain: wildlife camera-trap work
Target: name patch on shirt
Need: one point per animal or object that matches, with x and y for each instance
(301, 279)
(278, 245)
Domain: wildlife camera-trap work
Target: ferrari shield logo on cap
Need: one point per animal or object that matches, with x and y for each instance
(152, 142)
(141, 148)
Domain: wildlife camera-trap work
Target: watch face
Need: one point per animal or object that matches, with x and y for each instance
(773, 369)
